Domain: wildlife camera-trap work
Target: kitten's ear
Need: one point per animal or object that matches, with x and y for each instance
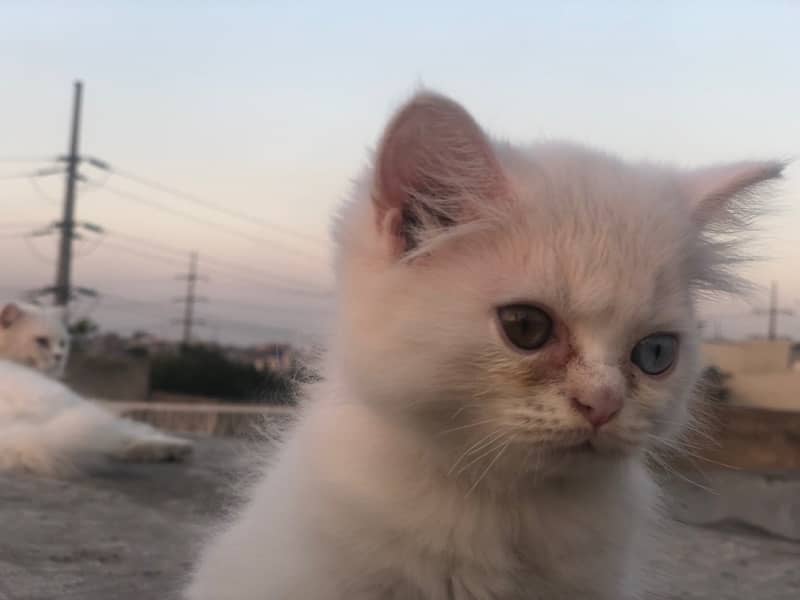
(713, 190)
(433, 160)
(10, 314)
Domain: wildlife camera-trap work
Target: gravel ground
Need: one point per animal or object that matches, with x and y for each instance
(129, 533)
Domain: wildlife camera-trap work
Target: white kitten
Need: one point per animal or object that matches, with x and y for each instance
(515, 332)
(34, 336)
(46, 428)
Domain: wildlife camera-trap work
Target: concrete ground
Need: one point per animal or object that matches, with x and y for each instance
(128, 533)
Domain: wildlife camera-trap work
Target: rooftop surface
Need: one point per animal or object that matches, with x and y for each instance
(129, 533)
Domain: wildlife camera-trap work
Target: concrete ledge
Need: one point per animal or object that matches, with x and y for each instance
(223, 420)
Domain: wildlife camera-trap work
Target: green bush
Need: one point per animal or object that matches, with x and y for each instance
(203, 371)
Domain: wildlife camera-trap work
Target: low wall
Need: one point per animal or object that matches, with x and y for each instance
(749, 357)
(748, 438)
(109, 376)
(206, 419)
(776, 391)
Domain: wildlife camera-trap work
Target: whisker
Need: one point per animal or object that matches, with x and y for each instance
(691, 427)
(491, 464)
(480, 444)
(488, 449)
(664, 465)
(684, 448)
(677, 445)
(468, 426)
(464, 407)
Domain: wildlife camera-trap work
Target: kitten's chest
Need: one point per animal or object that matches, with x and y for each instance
(469, 583)
(511, 555)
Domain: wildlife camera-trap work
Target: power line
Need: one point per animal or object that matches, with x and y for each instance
(28, 174)
(35, 252)
(14, 236)
(266, 308)
(17, 159)
(39, 191)
(142, 253)
(17, 224)
(211, 224)
(152, 320)
(133, 301)
(236, 214)
(246, 269)
(226, 273)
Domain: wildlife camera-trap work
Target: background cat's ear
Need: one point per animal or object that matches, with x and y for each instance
(433, 161)
(713, 190)
(10, 314)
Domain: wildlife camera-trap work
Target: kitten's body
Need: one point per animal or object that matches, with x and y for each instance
(47, 429)
(437, 461)
(356, 510)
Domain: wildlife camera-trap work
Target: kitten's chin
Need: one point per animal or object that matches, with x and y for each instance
(600, 447)
(561, 459)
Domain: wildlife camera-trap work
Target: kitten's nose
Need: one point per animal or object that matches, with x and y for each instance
(598, 406)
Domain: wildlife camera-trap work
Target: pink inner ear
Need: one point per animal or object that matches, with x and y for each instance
(9, 314)
(431, 147)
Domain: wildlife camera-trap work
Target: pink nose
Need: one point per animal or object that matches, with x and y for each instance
(598, 406)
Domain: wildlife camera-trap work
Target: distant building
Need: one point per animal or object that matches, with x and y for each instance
(279, 358)
(763, 373)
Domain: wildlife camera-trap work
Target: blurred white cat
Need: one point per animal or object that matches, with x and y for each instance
(34, 336)
(515, 333)
(46, 428)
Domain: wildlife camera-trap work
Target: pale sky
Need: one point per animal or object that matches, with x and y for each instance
(269, 109)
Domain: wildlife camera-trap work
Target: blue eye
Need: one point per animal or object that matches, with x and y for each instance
(655, 353)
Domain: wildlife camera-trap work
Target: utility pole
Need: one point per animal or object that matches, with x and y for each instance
(62, 290)
(189, 301)
(773, 311)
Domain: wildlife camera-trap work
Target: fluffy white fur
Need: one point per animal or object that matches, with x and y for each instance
(436, 462)
(47, 429)
(34, 336)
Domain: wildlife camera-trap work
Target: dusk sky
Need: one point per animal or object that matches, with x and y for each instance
(269, 109)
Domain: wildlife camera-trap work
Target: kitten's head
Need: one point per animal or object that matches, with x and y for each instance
(34, 336)
(536, 303)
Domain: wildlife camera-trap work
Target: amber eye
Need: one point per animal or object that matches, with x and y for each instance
(655, 353)
(43, 342)
(526, 327)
